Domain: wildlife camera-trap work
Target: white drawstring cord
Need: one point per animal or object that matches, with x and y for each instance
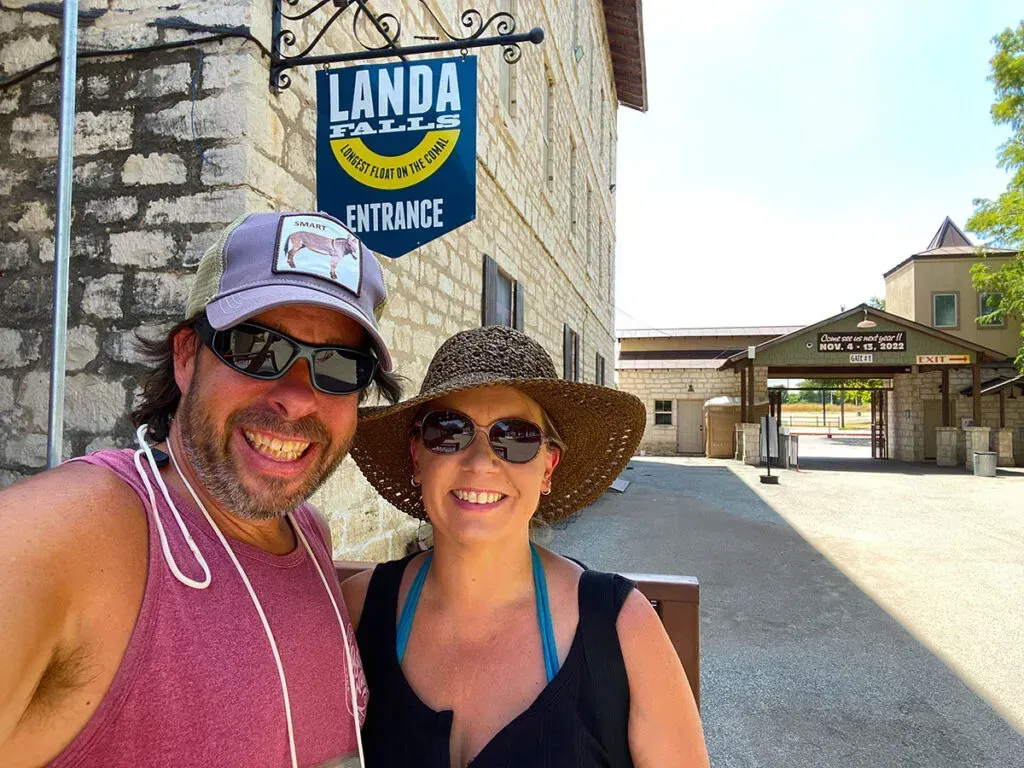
(344, 635)
(140, 435)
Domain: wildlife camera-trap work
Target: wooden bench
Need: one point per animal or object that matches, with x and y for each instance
(675, 598)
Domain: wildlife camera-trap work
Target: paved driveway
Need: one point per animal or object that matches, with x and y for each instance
(859, 614)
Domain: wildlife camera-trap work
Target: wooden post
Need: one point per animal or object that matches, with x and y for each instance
(883, 432)
(976, 391)
(1002, 408)
(842, 408)
(945, 397)
(874, 399)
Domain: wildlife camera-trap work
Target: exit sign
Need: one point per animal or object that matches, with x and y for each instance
(943, 359)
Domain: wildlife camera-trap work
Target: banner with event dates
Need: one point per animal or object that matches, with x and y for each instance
(863, 341)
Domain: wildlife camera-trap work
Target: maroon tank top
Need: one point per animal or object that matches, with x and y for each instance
(198, 685)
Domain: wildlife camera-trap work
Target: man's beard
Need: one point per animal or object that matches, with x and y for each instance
(268, 497)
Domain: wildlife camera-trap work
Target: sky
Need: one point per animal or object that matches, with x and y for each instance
(794, 151)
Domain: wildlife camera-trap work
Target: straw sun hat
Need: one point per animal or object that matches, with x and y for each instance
(600, 427)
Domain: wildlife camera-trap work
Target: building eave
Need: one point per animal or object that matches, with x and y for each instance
(625, 27)
(938, 254)
(991, 355)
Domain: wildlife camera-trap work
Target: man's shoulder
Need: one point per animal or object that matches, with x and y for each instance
(71, 501)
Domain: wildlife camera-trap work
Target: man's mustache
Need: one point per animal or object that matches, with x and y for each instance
(308, 428)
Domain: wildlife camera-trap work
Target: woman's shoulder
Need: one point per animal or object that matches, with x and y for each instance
(356, 588)
(561, 573)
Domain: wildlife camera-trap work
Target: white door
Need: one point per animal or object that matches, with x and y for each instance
(690, 432)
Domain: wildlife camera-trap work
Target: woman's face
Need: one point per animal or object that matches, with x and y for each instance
(473, 495)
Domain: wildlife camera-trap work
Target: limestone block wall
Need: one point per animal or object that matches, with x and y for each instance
(171, 146)
(911, 391)
(675, 384)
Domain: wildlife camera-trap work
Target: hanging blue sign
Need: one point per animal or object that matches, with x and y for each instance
(396, 150)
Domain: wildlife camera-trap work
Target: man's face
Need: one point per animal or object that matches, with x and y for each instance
(262, 447)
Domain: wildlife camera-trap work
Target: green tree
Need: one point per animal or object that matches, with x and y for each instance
(1001, 221)
(854, 391)
(878, 302)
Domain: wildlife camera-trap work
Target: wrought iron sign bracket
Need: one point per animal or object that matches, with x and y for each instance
(388, 29)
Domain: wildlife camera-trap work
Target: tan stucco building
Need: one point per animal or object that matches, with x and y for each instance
(172, 145)
(950, 382)
(934, 288)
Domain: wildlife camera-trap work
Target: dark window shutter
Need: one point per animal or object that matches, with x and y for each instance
(577, 364)
(566, 352)
(517, 323)
(489, 315)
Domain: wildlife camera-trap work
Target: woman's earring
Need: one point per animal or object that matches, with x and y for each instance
(546, 491)
(415, 482)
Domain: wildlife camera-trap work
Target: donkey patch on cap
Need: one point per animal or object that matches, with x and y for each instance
(321, 247)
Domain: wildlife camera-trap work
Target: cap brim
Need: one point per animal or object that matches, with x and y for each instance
(226, 311)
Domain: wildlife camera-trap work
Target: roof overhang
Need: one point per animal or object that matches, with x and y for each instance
(996, 385)
(983, 354)
(953, 253)
(625, 24)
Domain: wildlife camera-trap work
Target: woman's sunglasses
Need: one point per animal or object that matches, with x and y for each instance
(264, 353)
(516, 441)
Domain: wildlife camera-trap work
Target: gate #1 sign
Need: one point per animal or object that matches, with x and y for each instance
(396, 150)
(871, 341)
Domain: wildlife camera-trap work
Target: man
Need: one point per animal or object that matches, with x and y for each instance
(177, 606)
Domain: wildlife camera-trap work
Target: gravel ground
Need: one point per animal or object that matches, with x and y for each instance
(858, 614)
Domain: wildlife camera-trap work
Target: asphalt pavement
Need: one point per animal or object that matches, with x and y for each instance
(801, 666)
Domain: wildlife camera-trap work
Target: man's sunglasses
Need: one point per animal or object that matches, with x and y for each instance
(516, 441)
(264, 353)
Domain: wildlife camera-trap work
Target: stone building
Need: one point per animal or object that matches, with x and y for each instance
(172, 144)
(676, 370)
(946, 344)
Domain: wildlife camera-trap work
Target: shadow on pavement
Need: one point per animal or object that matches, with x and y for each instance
(889, 467)
(800, 669)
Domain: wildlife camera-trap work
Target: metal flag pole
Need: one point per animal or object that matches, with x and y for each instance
(62, 254)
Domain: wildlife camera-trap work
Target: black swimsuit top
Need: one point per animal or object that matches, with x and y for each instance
(579, 720)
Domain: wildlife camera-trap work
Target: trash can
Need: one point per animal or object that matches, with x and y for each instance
(985, 463)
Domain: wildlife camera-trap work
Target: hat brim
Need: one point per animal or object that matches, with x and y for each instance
(601, 429)
(226, 311)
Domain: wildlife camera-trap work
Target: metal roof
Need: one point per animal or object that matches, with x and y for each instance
(949, 241)
(995, 385)
(948, 235)
(684, 364)
(654, 333)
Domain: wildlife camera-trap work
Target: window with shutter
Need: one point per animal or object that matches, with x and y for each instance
(502, 302)
(570, 354)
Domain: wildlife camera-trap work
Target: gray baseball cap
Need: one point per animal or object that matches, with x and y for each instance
(267, 260)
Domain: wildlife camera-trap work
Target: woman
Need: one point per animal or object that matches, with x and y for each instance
(489, 650)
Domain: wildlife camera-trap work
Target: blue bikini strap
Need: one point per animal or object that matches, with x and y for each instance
(547, 632)
(409, 607)
(540, 589)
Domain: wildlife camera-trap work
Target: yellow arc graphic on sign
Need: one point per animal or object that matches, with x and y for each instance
(394, 171)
